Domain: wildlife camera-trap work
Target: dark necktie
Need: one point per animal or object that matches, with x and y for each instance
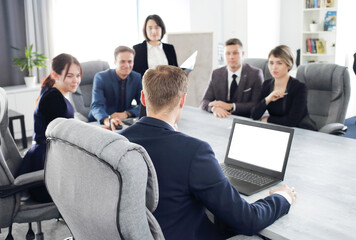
(233, 86)
(122, 86)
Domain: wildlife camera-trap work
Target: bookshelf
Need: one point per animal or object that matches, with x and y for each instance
(318, 45)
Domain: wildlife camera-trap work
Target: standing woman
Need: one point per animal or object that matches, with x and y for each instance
(152, 51)
(284, 97)
(65, 77)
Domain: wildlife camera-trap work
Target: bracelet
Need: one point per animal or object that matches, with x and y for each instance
(109, 117)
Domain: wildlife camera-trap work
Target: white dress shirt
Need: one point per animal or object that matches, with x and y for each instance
(156, 55)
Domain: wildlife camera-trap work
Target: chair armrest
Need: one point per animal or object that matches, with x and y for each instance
(334, 128)
(23, 182)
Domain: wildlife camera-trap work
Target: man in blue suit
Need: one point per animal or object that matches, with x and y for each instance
(114, 90)
(189, 177)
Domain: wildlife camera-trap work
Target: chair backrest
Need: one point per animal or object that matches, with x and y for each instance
(81, 99)
(8, 146)
(260, 63)
(328, 91)
(104, 186)
(7, 205)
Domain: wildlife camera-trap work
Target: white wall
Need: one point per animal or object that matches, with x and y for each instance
(346, 45)
(206, 16)
(234, 20)
(259, 24)
(291, 24)
(174, 13)
(263, 24)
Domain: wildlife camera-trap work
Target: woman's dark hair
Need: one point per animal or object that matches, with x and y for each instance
(59, 63)
(159, 22)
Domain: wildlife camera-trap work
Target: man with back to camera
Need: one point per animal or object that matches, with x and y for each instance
(114, 90)
(189, 176)
(235, 88)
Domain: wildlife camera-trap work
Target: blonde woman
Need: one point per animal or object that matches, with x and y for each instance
(284, 97)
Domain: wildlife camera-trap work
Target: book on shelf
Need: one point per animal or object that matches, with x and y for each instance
(329, 3)
(311, 46)
(330, 20)
(320, 46)
(319, 3)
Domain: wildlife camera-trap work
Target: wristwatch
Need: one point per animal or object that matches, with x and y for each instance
(128, 114)
(232, 108)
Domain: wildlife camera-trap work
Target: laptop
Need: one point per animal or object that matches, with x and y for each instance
(189, 64)
(257, 155)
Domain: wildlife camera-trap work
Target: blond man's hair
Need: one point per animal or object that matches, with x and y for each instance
(163, 86)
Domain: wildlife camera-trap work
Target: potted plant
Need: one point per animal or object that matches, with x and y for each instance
(314, 26)
(30, 60)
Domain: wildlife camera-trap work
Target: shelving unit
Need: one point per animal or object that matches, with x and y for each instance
(317, 14)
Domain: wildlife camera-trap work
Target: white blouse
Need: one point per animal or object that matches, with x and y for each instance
(156, 55)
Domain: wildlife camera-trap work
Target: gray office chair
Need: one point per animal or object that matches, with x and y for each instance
(13, 208)
(260, 63)
(328, 95)
(104, 186)
(81, 99)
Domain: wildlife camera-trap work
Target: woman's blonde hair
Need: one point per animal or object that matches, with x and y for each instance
(283, 52)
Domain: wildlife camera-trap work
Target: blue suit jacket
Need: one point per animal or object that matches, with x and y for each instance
(190, 181)
(106, 94)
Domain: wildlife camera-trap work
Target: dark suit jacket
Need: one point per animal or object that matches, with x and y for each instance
(247, 93)
(190, 181)
(289, 111)
(106, 94)
(140, 61)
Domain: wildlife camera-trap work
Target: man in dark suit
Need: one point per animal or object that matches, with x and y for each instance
(189, 177)
(114, 90)
(235, 88)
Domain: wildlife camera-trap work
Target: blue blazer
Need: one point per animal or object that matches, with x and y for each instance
(190, 181)
(106, 94)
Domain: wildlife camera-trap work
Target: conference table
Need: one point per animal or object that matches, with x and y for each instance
(321, 167)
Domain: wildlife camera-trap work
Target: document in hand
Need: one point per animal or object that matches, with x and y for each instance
(188, 65)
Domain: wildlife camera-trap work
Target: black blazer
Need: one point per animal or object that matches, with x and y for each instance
(289, 111)
(140, 61)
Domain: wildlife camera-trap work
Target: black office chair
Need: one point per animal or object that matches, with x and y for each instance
(328, 95)
(13, 207)
(260, 63)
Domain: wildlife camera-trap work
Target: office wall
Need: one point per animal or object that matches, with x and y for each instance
(346, 46)
(263, 27)
(186, 44)
(259, 24)
(291, 24)
(206, 16)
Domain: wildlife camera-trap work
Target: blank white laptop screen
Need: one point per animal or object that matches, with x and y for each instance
(261, 147)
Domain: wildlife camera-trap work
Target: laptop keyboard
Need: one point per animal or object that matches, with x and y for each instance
(245, 176)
